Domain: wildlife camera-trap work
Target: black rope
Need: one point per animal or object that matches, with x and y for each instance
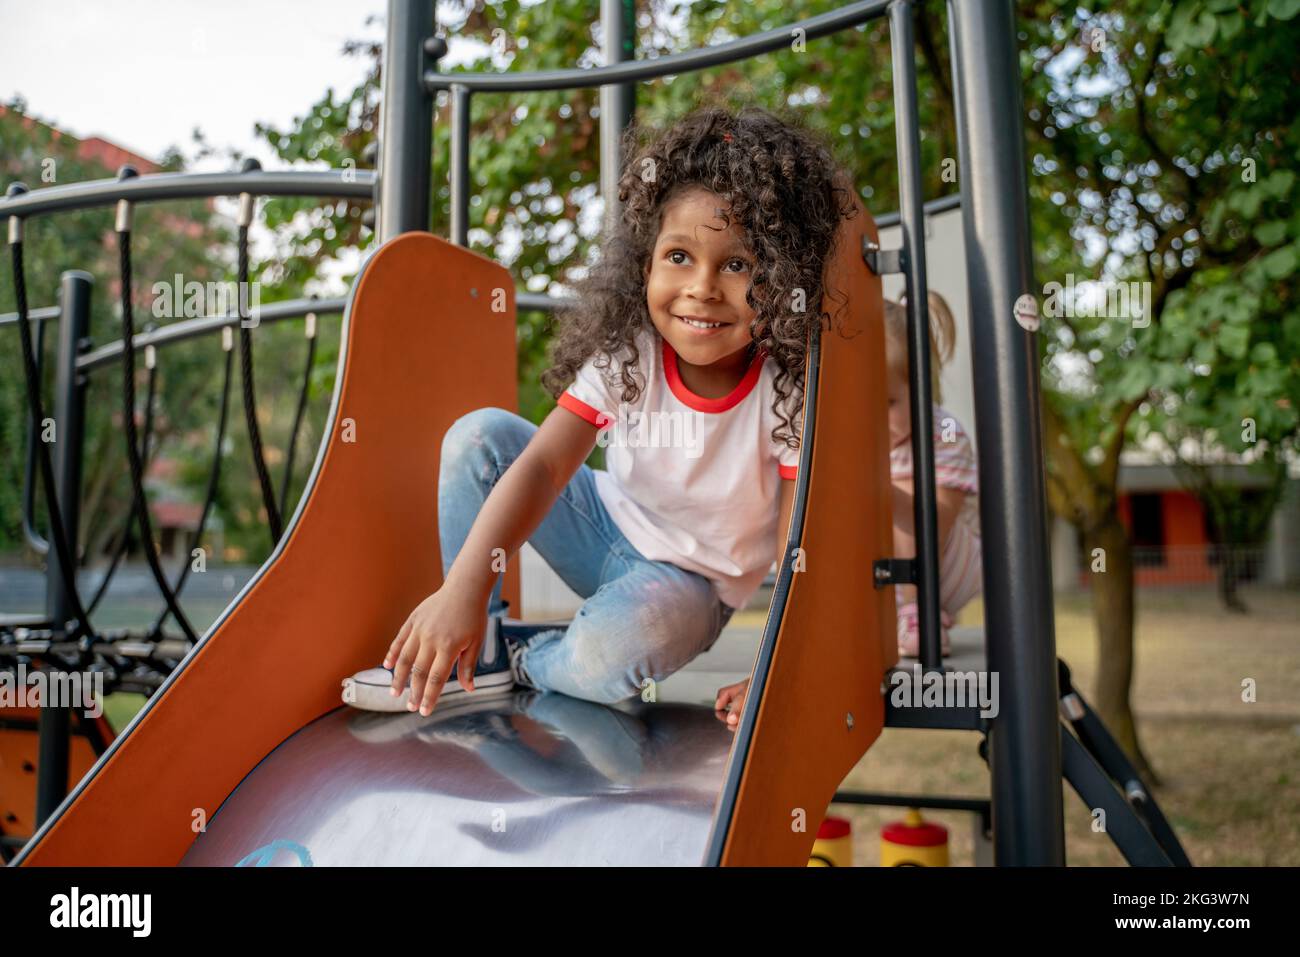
(63, 550)
(29, 466)
(297, 420)
(250, 403)
(214, 478)
(124, 541)
(140, 503)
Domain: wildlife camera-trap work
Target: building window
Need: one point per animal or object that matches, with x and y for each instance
(1148, 517)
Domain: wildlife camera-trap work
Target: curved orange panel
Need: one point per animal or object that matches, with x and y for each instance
(19, 749)
(821, 705)
(429, 335)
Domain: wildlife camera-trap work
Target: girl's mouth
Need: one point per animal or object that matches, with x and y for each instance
(700, 328)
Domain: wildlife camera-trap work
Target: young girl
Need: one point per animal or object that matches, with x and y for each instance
(684, 357)
(954, 472)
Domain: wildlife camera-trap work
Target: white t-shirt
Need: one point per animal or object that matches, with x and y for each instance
(690, 480)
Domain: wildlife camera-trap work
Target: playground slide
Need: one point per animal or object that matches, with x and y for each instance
(244, 756)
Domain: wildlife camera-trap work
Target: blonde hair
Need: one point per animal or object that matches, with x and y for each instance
(943, 339)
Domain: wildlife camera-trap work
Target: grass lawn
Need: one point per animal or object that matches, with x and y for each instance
(1231, 769)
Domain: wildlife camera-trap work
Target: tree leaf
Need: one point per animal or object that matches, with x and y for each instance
(1234, 340)
(1283, 9)
(1181, 25)
(1205, 351)
(1203, 30)
(1271, 233)
(1280, 263)
(1231, 25)
(1263, 352)
(1278, 183)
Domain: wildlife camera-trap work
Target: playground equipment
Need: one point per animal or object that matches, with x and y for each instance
(913, 842)
(243, 755)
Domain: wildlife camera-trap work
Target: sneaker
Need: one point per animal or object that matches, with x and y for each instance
(909, 631)
(368, 690)
(515, 651)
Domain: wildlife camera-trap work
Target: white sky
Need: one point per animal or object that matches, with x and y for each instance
(143, 74)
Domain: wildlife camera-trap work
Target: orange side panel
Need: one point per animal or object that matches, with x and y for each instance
(822, 705)
(430, 335)
(18, 755)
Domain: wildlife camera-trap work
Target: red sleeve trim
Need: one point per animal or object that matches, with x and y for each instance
(579, 408)
(788, 471)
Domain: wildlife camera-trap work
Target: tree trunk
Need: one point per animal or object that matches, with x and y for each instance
(1229, 575)
(1112, 603)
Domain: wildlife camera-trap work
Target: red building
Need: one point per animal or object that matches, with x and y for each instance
(1172, 535)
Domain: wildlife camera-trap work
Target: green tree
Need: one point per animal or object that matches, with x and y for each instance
(1142, 121)
(38, 155)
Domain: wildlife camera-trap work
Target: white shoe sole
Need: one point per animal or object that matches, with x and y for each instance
(369, 690)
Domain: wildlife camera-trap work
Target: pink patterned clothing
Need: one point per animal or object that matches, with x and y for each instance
(960, 566)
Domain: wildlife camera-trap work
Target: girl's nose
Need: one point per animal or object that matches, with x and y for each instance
(702, 284)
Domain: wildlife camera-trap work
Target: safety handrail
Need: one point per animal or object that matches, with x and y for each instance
(635, 71)
(525, 300)
(159, 187)
(203, 325)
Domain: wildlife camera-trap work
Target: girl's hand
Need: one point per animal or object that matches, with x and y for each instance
(445, 629)
(731, 700)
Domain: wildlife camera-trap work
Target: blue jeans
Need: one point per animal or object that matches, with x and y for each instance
(641, 620)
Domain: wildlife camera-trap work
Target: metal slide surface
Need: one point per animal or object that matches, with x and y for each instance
(517, 778)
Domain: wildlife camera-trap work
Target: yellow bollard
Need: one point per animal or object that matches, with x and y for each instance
(913, 842)
(834, 844)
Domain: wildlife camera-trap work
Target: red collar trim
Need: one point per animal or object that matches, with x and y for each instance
(698, 402)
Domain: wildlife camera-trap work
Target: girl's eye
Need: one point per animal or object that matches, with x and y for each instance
(676, 252)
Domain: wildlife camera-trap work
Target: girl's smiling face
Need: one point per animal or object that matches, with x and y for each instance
(700, 269)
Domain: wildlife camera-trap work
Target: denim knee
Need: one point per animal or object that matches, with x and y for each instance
(478, 433)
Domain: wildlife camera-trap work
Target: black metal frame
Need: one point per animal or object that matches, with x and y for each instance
(1025, 739)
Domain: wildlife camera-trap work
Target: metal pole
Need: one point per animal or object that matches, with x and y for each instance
(925, 515)
(406, 121)
(1024, 743)
(54, 723)
(459, 160)
(617, 103)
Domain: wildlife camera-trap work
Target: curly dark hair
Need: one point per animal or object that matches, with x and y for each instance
(782, 184)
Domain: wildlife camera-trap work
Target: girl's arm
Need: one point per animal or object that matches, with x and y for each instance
(948, 503)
